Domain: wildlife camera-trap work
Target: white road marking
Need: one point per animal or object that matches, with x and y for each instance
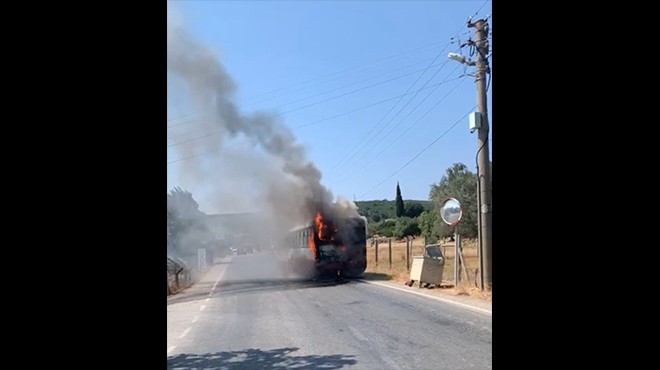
(222, 274)
(195, 318)
(389, 360)
(185, 332)
(383, 356)
(470, 307)
(357, 334)
(202, 308)
(207, 299)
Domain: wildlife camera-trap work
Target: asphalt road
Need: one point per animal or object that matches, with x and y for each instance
(248, 313)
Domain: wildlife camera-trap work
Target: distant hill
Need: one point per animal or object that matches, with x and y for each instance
(384, 209)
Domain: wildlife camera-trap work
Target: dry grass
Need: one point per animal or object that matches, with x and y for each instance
(399, 273)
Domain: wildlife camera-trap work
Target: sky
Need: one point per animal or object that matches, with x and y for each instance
(335, 73)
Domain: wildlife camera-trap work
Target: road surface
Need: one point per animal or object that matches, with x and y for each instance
(245, 314)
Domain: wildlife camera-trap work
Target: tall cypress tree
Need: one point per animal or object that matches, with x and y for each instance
(399, 201)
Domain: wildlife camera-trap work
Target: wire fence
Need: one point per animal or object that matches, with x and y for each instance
(179, 275)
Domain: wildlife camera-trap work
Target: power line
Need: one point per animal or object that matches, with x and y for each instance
(206, 153)
(373, 104)
(325, 92)
(410, 127)
(478, 10)
(357, 82)
(179, 134)
(323, 101)
(180, 117)
(342, 95)
(184, 122)
(347, 93)
(425, 114)
(351, 153)
(342, 71)
(322, 119)
(336, 97)
(345, 113)
(193, 156)
(334, 79)
(328, 99)
(408, 115)
(348, 69)
(420, 153)
(197, 138)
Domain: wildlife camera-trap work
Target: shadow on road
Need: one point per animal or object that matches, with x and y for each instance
(252, 286)
(250, 359)
(375, 276)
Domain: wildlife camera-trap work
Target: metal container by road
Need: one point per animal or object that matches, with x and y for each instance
(429, 267)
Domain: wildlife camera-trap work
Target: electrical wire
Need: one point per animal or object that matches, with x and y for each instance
(406, 130)
(348, 69)
(419, 154)
(406, 117)
(323, 119)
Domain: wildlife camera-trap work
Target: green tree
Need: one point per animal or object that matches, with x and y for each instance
(458, 182)
(413, 210)
(186, 226)
(385, 228)
(399, 202)
(427, 225)
(386, 208)
(406, 226)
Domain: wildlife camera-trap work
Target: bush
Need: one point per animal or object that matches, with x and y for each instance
(406, 226)
(385, 228)
(414, 209)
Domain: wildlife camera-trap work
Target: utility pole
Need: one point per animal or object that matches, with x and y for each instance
(483, 160)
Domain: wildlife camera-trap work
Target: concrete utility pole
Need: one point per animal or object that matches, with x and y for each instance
(483, 161)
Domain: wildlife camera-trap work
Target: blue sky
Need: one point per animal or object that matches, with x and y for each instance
(270, 45)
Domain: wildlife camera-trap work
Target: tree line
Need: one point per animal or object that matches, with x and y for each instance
(187, 229)
(186, 225)
(401, 218)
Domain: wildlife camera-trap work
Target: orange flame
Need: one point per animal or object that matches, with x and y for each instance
(325, 230)
(318, 225)
(311, 244)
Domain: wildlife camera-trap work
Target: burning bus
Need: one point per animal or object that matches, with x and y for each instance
(335, 245)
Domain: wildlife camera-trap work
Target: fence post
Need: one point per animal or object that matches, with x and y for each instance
(390, 250)
(412, 241)
(407, 254)
(457, 260)
(376, 250)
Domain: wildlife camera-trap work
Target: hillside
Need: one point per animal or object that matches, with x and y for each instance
(377, 210)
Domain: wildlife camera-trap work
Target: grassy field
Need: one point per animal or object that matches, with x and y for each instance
(399, 273)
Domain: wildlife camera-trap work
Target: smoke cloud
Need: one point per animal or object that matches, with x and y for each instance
(273, 176)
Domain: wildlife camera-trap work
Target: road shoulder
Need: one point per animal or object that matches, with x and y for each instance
(465, 302)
